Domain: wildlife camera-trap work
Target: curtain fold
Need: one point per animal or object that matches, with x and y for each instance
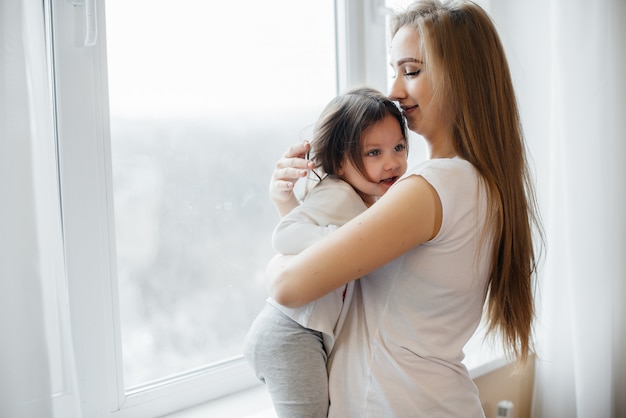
(37, 370)
(568, 59)
(580, 366)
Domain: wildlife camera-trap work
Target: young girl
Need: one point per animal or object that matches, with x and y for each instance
(360, 147)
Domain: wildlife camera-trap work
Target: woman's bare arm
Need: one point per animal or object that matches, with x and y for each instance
(409, 214)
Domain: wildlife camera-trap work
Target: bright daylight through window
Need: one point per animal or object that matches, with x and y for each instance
(204, 96)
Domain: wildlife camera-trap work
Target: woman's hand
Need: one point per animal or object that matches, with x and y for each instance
(289, 169)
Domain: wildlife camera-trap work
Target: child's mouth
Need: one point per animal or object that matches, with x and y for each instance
(389, 181)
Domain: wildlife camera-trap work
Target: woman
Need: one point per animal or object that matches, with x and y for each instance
(455, 230)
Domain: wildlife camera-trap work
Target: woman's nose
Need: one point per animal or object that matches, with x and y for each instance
(396, 89)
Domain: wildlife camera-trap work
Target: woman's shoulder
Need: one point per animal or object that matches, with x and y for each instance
(454, 179)
(443, 166)
(441, 172)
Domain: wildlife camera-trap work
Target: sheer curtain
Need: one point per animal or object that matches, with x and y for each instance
(37, 372)
(568, 60)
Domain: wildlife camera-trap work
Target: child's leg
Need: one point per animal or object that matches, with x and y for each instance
(291, 360)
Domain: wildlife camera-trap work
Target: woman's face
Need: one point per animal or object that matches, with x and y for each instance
(411, 87)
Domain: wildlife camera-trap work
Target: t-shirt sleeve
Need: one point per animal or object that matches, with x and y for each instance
(455, 181)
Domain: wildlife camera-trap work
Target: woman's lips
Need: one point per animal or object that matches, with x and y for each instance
(409, 109)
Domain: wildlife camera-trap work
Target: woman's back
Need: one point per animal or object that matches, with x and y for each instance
(399, 350)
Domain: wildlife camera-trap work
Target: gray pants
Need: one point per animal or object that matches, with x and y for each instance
(291, 360)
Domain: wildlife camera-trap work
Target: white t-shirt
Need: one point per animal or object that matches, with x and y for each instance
(400, 351)
(328, 205)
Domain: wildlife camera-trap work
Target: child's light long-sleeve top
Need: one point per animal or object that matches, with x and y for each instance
(329, 204)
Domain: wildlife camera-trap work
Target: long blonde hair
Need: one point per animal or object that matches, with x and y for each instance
(468, 70)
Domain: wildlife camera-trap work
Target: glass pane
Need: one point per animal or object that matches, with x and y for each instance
(204, 96)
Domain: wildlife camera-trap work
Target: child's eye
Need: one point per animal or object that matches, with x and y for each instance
(373, 153)
(400, 147)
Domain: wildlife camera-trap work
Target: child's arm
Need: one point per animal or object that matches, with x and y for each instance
(329, 205)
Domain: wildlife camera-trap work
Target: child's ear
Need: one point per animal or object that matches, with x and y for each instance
(340, 170)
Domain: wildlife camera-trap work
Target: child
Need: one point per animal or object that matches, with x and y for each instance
(359, 146)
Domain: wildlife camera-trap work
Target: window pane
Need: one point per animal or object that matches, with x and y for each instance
(204, 96)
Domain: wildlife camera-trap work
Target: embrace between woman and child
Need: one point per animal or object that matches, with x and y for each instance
(431, 246)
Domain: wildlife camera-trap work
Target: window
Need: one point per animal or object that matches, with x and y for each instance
(199, 112)
(170, 117)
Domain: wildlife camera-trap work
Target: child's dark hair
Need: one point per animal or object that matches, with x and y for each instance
(338, 131)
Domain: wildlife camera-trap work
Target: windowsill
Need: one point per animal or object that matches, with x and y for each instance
(250, 403)
(256, 402)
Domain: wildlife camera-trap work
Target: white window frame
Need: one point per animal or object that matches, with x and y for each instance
(81, 98)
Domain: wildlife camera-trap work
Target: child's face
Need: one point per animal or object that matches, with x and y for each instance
(384, 157)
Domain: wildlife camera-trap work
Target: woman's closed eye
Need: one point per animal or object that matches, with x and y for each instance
(412, 73)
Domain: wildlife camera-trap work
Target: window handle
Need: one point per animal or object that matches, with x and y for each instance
(91, 25)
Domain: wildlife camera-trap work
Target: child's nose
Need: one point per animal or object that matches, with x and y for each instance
(392, 162)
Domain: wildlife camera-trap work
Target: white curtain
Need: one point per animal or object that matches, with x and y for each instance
(568, 60)
(37, 370)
